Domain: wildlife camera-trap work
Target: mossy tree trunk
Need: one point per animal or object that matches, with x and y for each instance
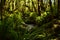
(2, 3)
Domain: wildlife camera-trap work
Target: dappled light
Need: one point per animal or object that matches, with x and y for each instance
(29, 19)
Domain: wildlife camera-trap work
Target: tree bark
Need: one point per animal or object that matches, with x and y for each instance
(51, 9)
(58, 8)
(2, 3)
(50, 3)
(39, 11)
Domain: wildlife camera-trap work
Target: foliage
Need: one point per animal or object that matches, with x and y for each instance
(29, 20)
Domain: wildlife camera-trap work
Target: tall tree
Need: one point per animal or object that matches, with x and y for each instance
(40, 7)
(54, 2)
(50, 3)
(58, 8)
(51, 9)
(39, 11)
(2, 3)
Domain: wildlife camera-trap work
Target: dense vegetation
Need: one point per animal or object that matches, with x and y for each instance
(29, 19)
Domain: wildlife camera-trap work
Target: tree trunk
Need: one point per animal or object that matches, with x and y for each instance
(2, 3)
(39, 11)
(58, 9)
(51, 10)
(54, 3)
(50, 3)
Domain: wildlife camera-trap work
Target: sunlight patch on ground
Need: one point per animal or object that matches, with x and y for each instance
(55, 25)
